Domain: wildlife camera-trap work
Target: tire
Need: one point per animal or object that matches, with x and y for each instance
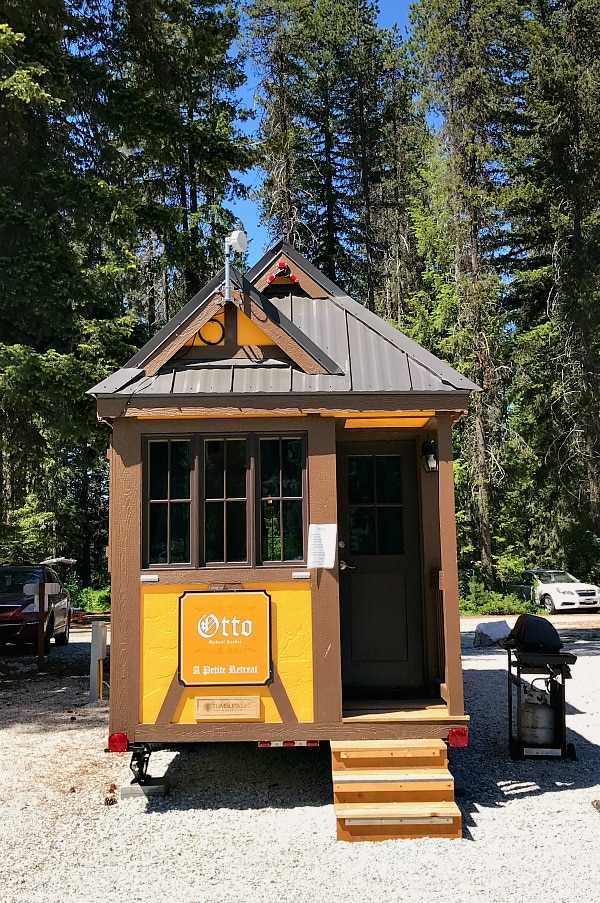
(548, 605)
(48, 635)
(62, 639)
(516, 750)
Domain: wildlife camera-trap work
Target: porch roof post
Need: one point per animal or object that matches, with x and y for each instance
(449, 577)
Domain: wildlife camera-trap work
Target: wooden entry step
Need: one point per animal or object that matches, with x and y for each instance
(386, 789)
(388, 753)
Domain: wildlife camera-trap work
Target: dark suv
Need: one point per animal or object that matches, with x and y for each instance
(19, 607)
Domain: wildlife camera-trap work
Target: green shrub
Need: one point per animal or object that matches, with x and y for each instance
(95, 599)
(75, 587)
(509, 568)
(480, 601)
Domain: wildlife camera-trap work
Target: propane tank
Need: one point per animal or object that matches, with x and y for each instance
(537, 718)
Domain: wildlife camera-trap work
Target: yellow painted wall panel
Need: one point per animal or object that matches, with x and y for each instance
(158, 646)
(248, 333)
(291, 645)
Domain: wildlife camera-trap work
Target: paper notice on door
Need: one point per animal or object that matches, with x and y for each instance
(321, 545)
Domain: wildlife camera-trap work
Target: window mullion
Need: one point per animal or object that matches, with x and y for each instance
(195, 496)
(169, 456)
(252, 494)
(224, 501)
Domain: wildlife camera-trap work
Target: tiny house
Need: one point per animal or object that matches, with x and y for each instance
(282, 542)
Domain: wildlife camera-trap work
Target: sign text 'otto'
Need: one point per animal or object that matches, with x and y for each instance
(224, 638)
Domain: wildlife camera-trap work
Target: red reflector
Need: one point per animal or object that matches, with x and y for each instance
(288, 743)
(271, 277)
(282, 264)
(264, 743)
(458, 736)
(117, 742)
(294, 278)
(312, 742)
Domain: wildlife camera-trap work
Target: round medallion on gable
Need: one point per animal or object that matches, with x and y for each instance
(212, 333)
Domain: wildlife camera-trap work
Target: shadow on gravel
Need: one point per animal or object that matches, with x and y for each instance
(54, 697)
(242, 776)
(484, 773)
(22, 662)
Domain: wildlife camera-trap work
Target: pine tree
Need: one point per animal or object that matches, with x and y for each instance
(324, 72)
(465, 52)
(405, 148)
(117, 124)
(272, 47)
(554, 209)
(174, 115)
(58, 274)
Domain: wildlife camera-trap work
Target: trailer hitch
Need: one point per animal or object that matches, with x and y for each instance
(140, 757)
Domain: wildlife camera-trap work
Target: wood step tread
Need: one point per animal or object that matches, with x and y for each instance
(383, 775)
(447, 809)
(420, 757)
(396, 745)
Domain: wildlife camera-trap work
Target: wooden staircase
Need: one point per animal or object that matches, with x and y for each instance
(388, 789)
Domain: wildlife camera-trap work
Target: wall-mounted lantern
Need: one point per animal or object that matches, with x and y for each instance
(429, 456)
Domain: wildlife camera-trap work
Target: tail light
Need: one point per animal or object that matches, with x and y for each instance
(117, 742)
(458, 736)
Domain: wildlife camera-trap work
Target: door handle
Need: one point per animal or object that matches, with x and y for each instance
(343, 565)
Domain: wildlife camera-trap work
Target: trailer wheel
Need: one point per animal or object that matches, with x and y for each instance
(549, 605)
(48, 634)
(62, 639)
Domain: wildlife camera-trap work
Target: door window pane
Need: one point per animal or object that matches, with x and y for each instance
(375, 509)
(389, 530)
(363, 537)
(388, 478)
(361, 479)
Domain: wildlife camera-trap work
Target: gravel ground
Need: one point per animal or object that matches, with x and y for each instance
(242, 824)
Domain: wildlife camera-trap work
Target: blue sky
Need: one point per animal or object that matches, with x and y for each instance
(391, 12)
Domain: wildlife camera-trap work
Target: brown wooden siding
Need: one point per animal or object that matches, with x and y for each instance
(452, 689)
(324, 583)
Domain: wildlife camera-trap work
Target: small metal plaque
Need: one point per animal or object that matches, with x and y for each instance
(227, 708)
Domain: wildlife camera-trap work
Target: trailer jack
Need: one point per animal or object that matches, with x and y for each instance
(140, 758)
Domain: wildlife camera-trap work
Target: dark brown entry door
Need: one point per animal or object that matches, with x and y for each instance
(380, 569)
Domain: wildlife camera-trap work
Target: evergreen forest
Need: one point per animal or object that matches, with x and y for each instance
(447, 177)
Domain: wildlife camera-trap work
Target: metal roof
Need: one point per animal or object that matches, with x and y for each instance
(360, 352)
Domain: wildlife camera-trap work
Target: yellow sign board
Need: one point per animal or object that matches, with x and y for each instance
(224, 638)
